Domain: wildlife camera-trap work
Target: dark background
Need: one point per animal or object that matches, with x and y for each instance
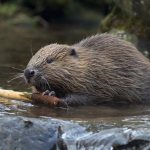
(130, 15)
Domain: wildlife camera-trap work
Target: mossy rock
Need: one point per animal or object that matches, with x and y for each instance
(131, 16)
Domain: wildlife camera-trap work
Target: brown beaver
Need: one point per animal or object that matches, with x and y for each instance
(100, 68)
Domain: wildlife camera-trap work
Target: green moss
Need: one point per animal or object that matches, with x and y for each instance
(8, 10)
(23, 19)
(131, 16)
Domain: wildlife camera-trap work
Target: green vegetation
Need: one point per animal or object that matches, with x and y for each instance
(8, 10)
(45, 12)
(130, 15)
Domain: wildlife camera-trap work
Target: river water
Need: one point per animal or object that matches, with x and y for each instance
(16, 47)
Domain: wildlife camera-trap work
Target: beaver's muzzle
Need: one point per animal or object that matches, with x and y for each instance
(29, 73)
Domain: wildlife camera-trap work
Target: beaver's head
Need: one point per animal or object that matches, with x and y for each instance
(56, 67)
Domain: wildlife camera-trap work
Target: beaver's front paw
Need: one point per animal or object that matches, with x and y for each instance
(49, 93)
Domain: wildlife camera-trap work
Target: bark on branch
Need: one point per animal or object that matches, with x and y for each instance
(29, 97)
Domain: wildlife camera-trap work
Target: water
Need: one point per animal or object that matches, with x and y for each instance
(17, 46)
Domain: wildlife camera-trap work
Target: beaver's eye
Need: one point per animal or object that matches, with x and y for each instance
(49, 60)
(73, 52)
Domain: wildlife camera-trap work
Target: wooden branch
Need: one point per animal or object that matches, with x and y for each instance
(45, 99)
(28, 97)
(10, 94)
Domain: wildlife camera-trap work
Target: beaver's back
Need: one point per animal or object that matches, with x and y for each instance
(117, 69)
(112, 47)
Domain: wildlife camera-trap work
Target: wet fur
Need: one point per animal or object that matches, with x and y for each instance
(104, 69)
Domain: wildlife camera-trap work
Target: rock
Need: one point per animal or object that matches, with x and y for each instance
(133, 16)
(125, 35)
(54, 134)
(117, 139)
(29, 133)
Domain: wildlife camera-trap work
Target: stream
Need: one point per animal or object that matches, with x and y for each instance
(25, 126)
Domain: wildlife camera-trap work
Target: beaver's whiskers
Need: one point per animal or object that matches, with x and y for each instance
(19, 75)
(46, 82)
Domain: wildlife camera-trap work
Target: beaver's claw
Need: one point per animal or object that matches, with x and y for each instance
(49, 93)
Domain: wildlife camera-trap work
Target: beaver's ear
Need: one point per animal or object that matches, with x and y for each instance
(73, 52)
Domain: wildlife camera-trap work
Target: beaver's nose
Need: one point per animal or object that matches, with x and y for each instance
(28, 73)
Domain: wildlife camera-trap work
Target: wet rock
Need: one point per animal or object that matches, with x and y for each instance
(134, 145)
(117, 139)
(30, 133)
(53, 134)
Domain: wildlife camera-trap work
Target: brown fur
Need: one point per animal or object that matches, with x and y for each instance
(105, 68)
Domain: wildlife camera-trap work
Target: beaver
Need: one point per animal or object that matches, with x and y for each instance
(99, 69)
